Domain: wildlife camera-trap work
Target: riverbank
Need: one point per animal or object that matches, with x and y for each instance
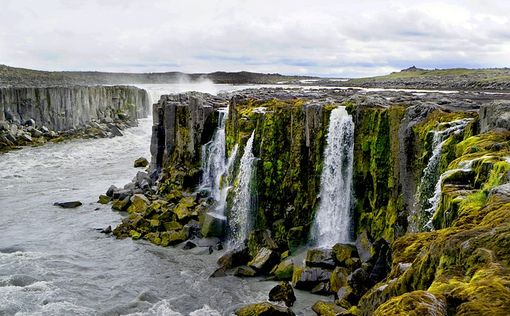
(35, 116)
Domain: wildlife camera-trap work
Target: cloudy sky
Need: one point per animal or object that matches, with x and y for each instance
(319, 37)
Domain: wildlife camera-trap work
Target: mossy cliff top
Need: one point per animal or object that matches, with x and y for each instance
(463, 267)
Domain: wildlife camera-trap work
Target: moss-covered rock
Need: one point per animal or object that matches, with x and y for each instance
(284, 270)
(264, 309)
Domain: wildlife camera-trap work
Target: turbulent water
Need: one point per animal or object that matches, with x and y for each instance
(239, 218)
(429, 191)
(333, 219)
(55, 262)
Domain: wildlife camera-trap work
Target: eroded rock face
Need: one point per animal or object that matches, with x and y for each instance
(64, 108)
(495, 115)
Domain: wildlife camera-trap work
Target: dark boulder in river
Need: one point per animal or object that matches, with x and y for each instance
(72, 204)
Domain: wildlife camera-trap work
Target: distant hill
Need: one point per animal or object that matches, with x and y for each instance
(445, 79)
(11, 76)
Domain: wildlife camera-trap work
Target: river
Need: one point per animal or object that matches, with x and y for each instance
(54, 261)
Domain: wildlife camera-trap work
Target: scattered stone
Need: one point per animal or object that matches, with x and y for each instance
(308, 278)
(139, 204)
(264, 309)
(284, 270)
(189, 245)
(233, 258)
(359, 282)
(322, 289)
(283, 292)
(245, 271)
(365, 248)
(322, 308)
(338, 279)
(344, 254)
(103, 199)
(213, 225)
(112, 189)
(29, 122)
(107, 230)
(265, 260)
(141, 162)
(121, 204)
(72, 204)
(115, 130)
(320, 258)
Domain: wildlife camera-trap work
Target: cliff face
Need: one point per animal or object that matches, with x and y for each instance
(430, 184)
(65, 108)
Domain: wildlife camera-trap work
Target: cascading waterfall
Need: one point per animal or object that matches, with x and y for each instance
(226, 181)
(240, 213)
(215, 163)
(333, 219)
(429, 191)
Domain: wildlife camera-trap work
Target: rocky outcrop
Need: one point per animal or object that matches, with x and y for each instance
(64, 108)
(454, 258)
(34, 116)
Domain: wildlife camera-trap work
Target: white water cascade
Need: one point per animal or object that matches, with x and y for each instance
(429, 191)
(240, 213)
(214, 164)
(333, 218)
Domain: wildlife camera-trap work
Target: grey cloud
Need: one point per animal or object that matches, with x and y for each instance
(288, 36)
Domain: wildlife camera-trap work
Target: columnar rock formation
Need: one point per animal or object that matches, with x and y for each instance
(64, 108)
(442, 267)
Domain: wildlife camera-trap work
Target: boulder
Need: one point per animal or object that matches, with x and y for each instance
(359, 282)
(173, 237)
(115, 130)
(264, 309)
(261, 238)
(29, 122)
(107, 230)
(169, 226)
(121, 204)
(189, 245)
(320, 258)
(322, 308)
(345, 254)
(184, 210)
(112, 189)
(103, 199)
(283, 292)
(213, 225)
(245, 271)
(265, 260)
(365, 248)
(308, 278)
(284, 270)
(71, 204)
(139, 204)
(233, 258)
(321, 289)
(141, 162)
(338, 279)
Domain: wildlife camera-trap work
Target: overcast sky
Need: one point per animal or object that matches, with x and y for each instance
(338, 38)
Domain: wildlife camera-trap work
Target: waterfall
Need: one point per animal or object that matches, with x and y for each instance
(214, 163)
(428, 193)
(240, 217)
(226, 181)
(333, 218)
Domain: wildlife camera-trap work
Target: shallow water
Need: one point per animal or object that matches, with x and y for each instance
(54, 261)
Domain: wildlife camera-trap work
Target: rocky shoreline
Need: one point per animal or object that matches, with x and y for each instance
(438, 268)
(35, 116)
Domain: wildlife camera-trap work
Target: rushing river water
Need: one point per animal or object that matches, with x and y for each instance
(54, 261)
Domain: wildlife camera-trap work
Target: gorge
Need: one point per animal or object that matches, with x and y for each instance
(317, 187)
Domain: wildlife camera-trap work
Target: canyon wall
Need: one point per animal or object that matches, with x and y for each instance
(65, 108)
(430, 187)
